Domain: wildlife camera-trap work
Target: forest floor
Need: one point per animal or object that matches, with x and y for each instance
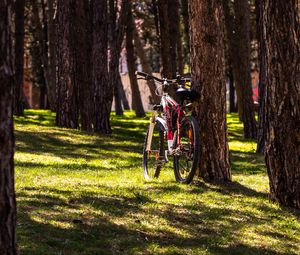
(79, 193)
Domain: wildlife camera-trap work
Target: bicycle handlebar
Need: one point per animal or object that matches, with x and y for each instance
(179, 79)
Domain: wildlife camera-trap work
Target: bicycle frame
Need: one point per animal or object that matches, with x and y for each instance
(169, 105)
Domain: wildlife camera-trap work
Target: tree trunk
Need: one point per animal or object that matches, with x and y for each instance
(123, 95)
(281, 34)
(262, 78)
(51, 24)
(79, 42)
(173, 16)
(19, 57)
(208, 72)
(102, 88)
(185, 16)
(137, 104)
(232, 107)
(145, 65)
(43, 51)
(67, 103)
(164, 34)
(239, 44)
(117, 31)
(7, 192)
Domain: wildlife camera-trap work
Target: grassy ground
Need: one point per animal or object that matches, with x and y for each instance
(84, 194)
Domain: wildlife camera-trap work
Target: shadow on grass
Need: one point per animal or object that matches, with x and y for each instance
(113, 225)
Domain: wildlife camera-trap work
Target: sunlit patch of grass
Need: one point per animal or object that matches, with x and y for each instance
(81, 193)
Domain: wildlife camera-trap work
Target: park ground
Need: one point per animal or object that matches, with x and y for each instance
(79, 193)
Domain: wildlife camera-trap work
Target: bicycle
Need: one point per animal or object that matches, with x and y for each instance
(170, 121)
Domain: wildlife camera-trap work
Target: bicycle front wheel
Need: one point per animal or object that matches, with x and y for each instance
(154, 154)
(186, 156)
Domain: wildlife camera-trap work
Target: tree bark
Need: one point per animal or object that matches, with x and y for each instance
(123, 95)
(145, 66)
(208, 73)
(137, 104)
(80, 42)
(281, 34)
(67, 99)
(102, 88)
(19, 57)
(7, 191)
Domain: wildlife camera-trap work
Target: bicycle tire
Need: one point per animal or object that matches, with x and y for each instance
(195, 152)
(152, 170)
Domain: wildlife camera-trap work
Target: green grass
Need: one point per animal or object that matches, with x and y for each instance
(79, 193)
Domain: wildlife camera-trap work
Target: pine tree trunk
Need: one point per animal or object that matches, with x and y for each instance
(185, 16)
(137, 104)
(173, 16)
(281, 34)
(7, 192)
(19, 57)
(239, 49)
(102, 88)
(80, 40)
(51, 23)
(164, 34)
(232, 107)
(123, 95)
(117, 31)
(208, 72)
(262, 78)
(67, 102)
(145, 65)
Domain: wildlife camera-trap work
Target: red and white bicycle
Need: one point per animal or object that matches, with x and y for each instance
(172, 132)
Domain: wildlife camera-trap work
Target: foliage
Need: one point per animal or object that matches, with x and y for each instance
(79, 193)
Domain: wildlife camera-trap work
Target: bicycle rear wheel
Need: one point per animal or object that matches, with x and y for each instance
(186, 156)
(154, 154)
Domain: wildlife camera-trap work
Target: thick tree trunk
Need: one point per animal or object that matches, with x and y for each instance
(239, 51)
(208, 72)
(102, 88)
(137, 104)
(145, 65)
(19, 57)
(281, 34)
(67, 103)
(79, 42)
(7, 191)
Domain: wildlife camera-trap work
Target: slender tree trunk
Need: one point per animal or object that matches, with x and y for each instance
(185, 15)
(19, 57)
(117, 31)
(102, 88)
(165, 45)
(173, 16)
(262, 79)
(232, 107)
(123, 95)
(232, 46)
(67, 103)
(145, 65)
(239, 51)
(7, 191)
(137, 104)
(208, 72)
(281, 34)
(51, 24)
